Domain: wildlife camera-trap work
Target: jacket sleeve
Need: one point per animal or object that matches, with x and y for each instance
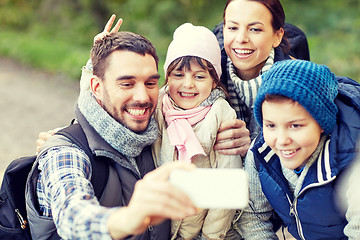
(254, 223)
(76, 212)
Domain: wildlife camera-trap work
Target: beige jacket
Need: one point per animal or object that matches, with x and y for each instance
(213, 223)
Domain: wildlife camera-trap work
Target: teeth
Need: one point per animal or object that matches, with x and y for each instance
(243, 51)
(288, 152)
(136, 112)
(187, 94)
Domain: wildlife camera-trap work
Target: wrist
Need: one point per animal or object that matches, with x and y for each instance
(124, 222)
(118, 228)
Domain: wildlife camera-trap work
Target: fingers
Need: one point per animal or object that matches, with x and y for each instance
(233, 123)
(163, 172)
(117, 26)
(233, 138)
(161, 199)
(43, 136)
(107, 29)
(109, 23)
(155, 197)
(229, 148)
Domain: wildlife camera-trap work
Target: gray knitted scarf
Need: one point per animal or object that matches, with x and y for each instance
(243, 93)
(295, 181)
(127, 142)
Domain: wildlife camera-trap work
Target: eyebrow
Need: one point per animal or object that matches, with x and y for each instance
(296, 120)
(250, 24)
(125, 77)
(254, 23)
(155, 76)
(129, 77)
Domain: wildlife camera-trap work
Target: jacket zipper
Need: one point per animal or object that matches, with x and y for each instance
(293, 205)
(22, 221)
(294, 213)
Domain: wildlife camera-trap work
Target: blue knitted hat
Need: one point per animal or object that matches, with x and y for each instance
(313, 86)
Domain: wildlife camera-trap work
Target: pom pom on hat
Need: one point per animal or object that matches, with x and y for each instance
(198, 41)
(313, 86)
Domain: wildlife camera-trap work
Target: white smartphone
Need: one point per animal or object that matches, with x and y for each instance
(211, 188)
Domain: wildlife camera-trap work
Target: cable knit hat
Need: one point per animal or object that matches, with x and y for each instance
(313, 86)
(198, 41)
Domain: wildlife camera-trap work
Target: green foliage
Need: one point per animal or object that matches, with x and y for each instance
(57, 35)
(333, 29)
(43, 52)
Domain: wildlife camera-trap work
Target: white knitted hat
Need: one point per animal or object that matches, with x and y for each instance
(198, 41)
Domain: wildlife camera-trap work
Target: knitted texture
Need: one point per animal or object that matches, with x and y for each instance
(313, 86)
(198, 41)
(121, 138)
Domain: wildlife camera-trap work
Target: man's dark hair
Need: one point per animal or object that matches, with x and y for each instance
(128, 41)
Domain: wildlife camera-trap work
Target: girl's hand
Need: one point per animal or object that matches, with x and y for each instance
(107, 30)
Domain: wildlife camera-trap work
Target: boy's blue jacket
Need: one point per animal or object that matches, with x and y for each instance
(315, 213)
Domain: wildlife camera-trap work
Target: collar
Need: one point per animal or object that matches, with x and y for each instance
(122, 139)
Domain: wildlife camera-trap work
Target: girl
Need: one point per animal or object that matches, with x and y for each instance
(310, 128)
(189, 114)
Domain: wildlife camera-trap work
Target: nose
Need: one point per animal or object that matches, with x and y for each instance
(283, 138)
(242, 36)
(141, 94)
(188, 82)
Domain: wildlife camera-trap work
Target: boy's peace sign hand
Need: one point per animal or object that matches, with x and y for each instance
(107, 30)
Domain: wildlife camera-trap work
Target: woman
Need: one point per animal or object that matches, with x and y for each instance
(252, 37)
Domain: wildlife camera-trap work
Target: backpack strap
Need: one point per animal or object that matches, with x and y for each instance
(100, 167)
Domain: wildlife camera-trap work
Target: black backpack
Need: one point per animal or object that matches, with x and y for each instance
(13, 217)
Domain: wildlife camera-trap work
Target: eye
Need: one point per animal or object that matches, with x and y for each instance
(296, 125)
(269, 125)
(255, 30)
(232, 28)
(151, 83)
(126, 84)
(176, 74)
(199, 77)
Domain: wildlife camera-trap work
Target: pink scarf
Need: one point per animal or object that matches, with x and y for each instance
(180, 131)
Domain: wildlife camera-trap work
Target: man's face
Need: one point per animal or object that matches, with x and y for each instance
(129, 91)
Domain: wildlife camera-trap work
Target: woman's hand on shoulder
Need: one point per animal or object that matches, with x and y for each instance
(233, 138)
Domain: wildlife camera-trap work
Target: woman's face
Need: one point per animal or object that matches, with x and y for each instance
(249, 36)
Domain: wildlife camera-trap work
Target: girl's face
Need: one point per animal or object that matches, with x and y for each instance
(190, 87)
(291, 132)
(249, 36)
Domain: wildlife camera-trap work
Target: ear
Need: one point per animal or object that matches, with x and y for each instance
(214, 84)
(96, 87)
(278, 37)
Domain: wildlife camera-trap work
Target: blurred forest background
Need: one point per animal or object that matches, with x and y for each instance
(57, 35)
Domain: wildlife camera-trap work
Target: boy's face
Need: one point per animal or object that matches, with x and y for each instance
(129, 91)
(291, 132)
(190, 87)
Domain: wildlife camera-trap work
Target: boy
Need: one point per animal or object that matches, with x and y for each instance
(310, 126)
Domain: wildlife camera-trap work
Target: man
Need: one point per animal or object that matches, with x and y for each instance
(116, 116)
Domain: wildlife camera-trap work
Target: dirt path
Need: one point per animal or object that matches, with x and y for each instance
(31, 101)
